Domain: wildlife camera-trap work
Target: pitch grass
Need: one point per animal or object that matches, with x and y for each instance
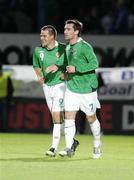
(22, 157)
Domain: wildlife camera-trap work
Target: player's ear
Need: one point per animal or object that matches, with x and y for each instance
(76, 32)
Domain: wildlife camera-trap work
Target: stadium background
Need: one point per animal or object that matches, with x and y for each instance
(26, 134)
(108, 26)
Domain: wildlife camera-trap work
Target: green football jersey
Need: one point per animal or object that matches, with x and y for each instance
(82, 56)
(42, 58)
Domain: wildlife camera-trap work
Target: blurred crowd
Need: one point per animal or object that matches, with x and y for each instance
(98, 16)
(17, 16)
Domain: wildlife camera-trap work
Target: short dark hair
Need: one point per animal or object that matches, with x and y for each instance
(51, 30)
(76, 24)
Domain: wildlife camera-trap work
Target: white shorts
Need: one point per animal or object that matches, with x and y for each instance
(55, 96)
(88, 103)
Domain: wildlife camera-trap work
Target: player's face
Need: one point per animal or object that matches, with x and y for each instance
(69, 32)
(46, 38)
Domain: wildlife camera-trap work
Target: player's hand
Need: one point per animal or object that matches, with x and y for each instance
(70, 69)
(41, 80)
(52, 69)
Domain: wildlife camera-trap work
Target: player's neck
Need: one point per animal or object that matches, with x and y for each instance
(74, 40)
(51, 45)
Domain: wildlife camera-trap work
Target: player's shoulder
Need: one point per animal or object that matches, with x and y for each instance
(38, 48)
(86, 44)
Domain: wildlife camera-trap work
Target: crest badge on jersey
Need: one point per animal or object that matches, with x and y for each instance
(57, 54)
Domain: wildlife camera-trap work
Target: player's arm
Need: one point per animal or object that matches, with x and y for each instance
(53, 68)
(40, 77)
(90, 63)
(37, 67)
(59, 65)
